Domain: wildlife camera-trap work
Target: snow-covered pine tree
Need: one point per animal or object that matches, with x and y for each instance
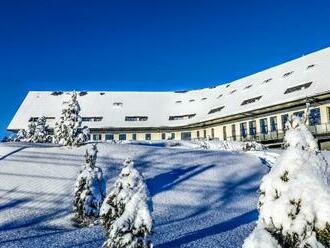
(90, 191)
(125, 213)
(68, 129)
(294, 197)
(36, 132)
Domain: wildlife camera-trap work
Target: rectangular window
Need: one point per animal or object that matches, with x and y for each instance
(92, 119)
(328, 114)
(298, 87)
(173, 136)
(299, 113)
(109, 136)
(97, 137)
(252, 128)
(233, 131)
(204, 131)
(243, 129)
(212, 133)
(186, 136)
(273, 124)
(163, 136)
(315, 117)
(198, 134)
(122, 136)
(284, 119)
(224, 132)
(181, 117)
(263, 126)
(148, 136)
(251, 100)
(134, 136)
(212, 111)
(136, 118)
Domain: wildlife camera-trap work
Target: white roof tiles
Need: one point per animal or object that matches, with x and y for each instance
(158, 106)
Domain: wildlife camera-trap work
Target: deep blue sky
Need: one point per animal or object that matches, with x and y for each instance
(148, 45)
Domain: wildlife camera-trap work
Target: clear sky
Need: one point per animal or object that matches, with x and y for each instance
(148, 45)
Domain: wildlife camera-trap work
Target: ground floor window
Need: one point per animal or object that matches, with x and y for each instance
(148, 136)
(328, 114)
(315, 117)
(233, 131)
(97, 137)
(263, 126)
(299, 113)
(224, 132)
(284, 119)
(134, 136)
(109, 136)
(173, 136)
(122, 136)
(204, 134)
(212, 133)
(243, 129)
(252, 128)
(186, 136)
(198, 134)
(273, 124)
(163, 136)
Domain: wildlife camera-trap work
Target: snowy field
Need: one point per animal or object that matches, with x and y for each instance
(201, 198)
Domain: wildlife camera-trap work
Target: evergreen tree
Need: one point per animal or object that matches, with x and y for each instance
(36, 132)
(125, 213)
(295, 196)
(68, 129)
(90, 190)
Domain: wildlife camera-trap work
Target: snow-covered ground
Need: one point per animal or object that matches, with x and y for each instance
(200, 198)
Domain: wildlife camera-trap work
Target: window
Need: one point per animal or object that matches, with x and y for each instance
(163, 136)
(178, 102)
(102, 93)
(224, 129)
(252, 128)
(243, 129)
(56, 93)
(212, 111)
(287, 74)
(186, 136)
(198, 135)
(92, 119)
(191, 100)
(267, 80)
(122, 136)
(117, 105)
(310, 66)
(212, 133)
(263, 126)
(233, 91)
(328, 110)
(204, 134)
(251, 100)
(83, 93)
(298, 87)
(109, 136)
(284, 119)
(227, 85)
(34, 119)
(134, 136)
(97, 137)
(248, 86)
(181, 117)
(273, 124)
(219, 96)
(172, 136)
(315, 117)
(148, 136)
(203, 99)
(233, 131)
(299, 113)
(136, 118)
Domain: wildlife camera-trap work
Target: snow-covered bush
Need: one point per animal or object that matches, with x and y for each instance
(90, 190)
(295, 196)
(36, 132)
(68, 130)
(125, 212)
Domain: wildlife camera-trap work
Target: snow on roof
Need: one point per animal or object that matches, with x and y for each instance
(305, 76)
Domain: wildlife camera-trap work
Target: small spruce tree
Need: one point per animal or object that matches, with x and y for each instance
(90, 191)
(36, 132)
(125, 212)
(68, 131)
(295, 196)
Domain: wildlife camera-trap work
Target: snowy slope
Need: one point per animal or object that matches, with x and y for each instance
(200, 198)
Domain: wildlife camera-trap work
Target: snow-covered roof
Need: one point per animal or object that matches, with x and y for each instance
(296, 79)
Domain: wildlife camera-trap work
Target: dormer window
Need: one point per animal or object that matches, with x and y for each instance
(191, 100)
(251, 100)
(298, 87)
(227, 85)
(92, 119)
(285, 75)
(204, 98)
(178, 102)
(233, 91)
(181, 117)
(267, 80)
(212, 111)
(117, 105)
(219, 96)
(136, 118)
(310, 66)
(248, 86)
